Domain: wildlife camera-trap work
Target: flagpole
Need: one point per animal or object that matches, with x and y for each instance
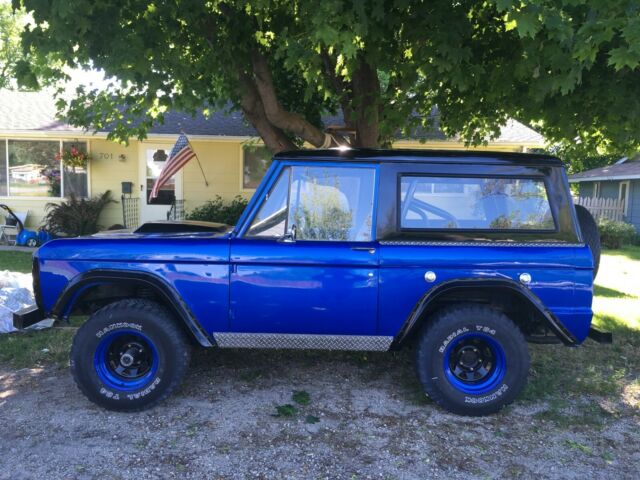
(197, 159)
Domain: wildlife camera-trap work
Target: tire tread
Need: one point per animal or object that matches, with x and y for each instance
(180, 361)
(448, 316)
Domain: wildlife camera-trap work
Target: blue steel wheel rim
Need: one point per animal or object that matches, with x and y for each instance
(474, 363)
(126, 360)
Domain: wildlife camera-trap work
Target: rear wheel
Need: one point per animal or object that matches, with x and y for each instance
(472, 360)
(129, 355)
(590, 234)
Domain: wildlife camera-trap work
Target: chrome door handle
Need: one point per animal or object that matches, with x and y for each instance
(371, 250)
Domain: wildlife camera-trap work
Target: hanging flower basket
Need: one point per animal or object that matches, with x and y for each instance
(72, 157)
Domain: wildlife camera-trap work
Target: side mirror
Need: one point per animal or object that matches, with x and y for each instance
(290, 235)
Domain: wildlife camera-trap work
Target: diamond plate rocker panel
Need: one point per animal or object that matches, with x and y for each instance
(295, 341)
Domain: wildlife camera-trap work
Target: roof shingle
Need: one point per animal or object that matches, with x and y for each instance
(617, 171)
(36, 112)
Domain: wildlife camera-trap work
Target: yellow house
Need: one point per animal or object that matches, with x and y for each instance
(233, 160)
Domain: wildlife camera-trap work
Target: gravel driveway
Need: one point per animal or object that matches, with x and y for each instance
(364, 418)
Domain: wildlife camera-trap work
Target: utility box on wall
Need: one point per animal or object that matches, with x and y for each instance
(127, 188)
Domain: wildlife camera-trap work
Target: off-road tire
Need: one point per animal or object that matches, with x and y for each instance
(448, 330)
(590, 235)
(125, 319)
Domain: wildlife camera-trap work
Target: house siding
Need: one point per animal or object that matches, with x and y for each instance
(108, 170)
(222, 166)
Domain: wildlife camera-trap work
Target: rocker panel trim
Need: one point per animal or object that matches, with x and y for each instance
(303, 341)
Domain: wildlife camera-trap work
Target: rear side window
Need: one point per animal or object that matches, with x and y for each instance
(469, 203)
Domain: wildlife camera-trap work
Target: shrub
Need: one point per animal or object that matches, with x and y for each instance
(217, 210)
(76, 216)
(615, 234)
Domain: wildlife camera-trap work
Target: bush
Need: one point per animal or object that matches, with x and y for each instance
(616, 234)
(217, 210)
(75, 217)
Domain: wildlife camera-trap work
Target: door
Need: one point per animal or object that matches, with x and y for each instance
(307, 263)
(152, 158)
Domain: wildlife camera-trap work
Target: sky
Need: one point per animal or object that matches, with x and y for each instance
(88, 78)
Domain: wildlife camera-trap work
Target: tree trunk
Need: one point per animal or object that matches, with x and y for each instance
(366, 92)
(341, 88)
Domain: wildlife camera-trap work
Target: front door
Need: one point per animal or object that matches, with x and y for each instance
(152, 158)
(308, 263)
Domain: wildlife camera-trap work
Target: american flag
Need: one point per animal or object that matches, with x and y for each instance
(180, 155)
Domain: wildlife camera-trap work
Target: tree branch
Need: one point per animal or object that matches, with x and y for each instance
(274, 138)
(284, 120)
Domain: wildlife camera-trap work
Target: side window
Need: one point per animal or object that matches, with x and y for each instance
(474, 203)
(271, 219)
(332, 203)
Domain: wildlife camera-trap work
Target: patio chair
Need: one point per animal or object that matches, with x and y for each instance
(9, 231)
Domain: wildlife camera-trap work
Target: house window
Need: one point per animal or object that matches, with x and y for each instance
(256, 160)
(596, 189)
(623, 195)
(29, 168)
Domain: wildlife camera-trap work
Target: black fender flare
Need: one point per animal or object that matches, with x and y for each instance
(413, 320)
(67, 299)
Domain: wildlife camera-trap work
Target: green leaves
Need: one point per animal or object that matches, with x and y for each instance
(570, 67)
(287, 410)
(527, 23)
(301, 397)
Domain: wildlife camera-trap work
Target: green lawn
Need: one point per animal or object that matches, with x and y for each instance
(558, 374)
(610, 372)
(15, 261)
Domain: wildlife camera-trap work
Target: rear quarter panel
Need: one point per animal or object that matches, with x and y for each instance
(561, 277)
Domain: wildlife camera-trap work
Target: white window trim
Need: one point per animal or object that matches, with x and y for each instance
(626, 200)
(596, 190)
(6, 139)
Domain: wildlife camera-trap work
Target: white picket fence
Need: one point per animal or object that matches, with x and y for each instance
(609, 208)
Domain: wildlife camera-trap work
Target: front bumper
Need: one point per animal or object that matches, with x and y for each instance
(27, 316)
(600, 336)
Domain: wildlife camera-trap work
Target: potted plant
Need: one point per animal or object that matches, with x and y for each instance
(72, 158)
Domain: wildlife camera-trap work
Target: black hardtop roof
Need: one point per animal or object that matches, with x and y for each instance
(421, 156)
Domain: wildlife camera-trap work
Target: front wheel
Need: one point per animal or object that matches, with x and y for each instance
(129, 355)
(472, 360)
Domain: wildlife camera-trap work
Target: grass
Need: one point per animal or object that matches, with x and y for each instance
(558, 373)
(37, 348)
(607, 371)
(15, 261)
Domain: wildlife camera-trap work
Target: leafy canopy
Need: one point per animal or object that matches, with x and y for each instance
(570, 67)
(11, 25)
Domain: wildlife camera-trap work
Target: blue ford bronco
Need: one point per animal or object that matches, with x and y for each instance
(464, 256)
